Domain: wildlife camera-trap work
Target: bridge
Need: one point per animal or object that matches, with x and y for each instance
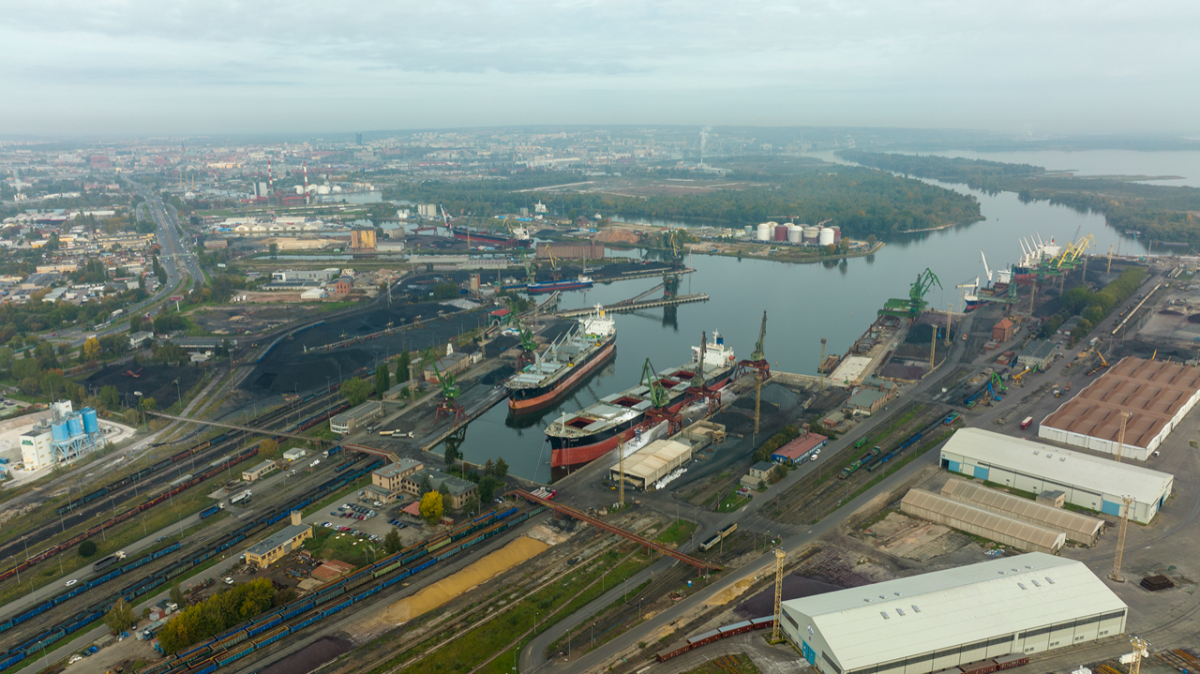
(601, 524)
(635, 306)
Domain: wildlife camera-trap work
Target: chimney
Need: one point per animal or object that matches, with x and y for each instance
(296, 517)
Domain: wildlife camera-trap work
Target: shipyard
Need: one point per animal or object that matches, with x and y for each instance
(532, 428)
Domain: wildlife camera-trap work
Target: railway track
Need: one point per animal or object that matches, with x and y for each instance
(131, 487)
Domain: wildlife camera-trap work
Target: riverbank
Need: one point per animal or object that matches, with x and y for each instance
(771, 252)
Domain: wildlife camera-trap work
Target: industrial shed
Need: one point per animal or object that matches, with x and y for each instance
(1077, 527)
(652, 463)
(1157, 394)
(1025, 604)
(1087, 481)
(980, 522)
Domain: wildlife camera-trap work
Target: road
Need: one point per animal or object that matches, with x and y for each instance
(176, 259)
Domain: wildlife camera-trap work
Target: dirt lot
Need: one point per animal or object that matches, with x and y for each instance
(260, 313)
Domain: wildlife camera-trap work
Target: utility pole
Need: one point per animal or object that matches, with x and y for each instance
(949, 318)
(621, 463)
(932, 347)
(1109, 269)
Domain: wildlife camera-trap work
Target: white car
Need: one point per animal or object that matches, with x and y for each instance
(71, 582)
(74, 658)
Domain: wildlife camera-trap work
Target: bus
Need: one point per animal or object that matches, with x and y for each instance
(1025, 424)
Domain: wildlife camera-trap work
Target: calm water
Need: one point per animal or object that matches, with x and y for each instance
(804, 303)
(1185, 164)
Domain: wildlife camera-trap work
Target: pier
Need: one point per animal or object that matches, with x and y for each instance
(635, 306)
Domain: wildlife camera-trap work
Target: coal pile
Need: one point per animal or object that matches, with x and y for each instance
(1156, 583)
(153, 381)
(922, 333)
(794, 587)
(311, 657)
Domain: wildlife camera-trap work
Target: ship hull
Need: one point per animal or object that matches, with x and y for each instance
(491, 239)
(521, 401)
(575, 451)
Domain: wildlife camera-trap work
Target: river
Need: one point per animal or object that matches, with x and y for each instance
(804, 302)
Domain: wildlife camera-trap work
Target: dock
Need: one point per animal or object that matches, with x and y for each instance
(635, 306)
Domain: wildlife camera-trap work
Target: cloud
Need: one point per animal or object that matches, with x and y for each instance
(1075, 64)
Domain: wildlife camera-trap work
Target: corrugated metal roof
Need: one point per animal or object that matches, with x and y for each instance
(657, 459)
(1155, 392)
(956, 606)
(1103, 476)
(1078, 527)
(993, 525)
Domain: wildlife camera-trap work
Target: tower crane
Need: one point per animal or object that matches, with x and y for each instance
(449, 405)
(1121, 435)
(757, 362)
(780, 555)
(1122, 527)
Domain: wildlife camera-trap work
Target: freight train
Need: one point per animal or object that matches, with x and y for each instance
(235, 644)
(877, 457)
(215, 468)
(714, 635)
(31, 646)
(718, 537)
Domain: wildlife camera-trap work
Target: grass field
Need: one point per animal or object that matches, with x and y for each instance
(732, 501)
(678, 532)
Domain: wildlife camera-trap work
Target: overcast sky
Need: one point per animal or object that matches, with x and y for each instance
(222, 66)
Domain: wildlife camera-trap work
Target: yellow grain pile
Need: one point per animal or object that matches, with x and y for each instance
(480, 572)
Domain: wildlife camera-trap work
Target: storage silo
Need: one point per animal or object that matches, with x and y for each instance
(810, 235)
(781, 232)
(90, 423)
(837, 234)
(749, 230)
(765, 230)
(75, 425)
(825, 238)
(795, 234)
(59, 432)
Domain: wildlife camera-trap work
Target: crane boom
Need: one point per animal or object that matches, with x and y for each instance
(759, 353)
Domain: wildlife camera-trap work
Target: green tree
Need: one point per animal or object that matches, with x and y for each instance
(356, 391)
(432, 508)
(135, 323)
(426, 485)
(452, 454)
(120, 617)
(268, 448)
(501, 470)
(391, 542)
(382, 379)
(87, 549)
(403, 365)
(487, 488)
(177, 596)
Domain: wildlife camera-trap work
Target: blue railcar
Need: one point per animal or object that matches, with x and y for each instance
(262, 627)
(363, 595)
(506, 513)
(210, 511)
(293, 611)
(33, 612)
(167, 550)
(337, 607)
(9, 662)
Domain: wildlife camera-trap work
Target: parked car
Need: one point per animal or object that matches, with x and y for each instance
(71, 582)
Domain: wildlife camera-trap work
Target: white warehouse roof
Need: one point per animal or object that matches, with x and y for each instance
(1101, 475)
(948, 608)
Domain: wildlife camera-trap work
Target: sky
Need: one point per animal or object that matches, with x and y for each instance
(146, 67)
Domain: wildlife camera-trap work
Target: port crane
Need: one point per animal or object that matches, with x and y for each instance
(699, 389)
(449, 405)
(912, 306)
(660, 400)
(757, 362)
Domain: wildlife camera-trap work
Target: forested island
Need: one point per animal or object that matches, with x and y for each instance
(862, 201)
(1154, 213)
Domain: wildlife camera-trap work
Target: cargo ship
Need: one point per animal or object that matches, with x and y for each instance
(564, 364)
(590, 433)
(552, 286)
(519, 240)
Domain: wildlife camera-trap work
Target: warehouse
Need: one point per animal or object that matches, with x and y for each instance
(1155, 395)
(1087, 481)
(1017, 605)
(355, 418)
(1077, 527)
(652, 463)
(977, 521)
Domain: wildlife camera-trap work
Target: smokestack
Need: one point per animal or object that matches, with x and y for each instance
(306, 182)
(270, 181)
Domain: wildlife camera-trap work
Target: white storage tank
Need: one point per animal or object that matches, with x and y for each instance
(810, 234)
(825, 238)
(795, 234)
(765, 231)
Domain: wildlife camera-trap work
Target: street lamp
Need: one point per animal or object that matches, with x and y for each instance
(178, 396)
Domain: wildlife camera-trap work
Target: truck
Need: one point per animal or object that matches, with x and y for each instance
(1025, 424)
(243, 497)
(109, 561)
(210, 511)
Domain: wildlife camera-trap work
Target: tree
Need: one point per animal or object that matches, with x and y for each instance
(91, 349)
(135, 323)
(356, 391)
(120, 617)
(426, 485)
(274, 247)
(452, 454)
(432, 508)
(382, 379)
(87, 549)
(487, 488)
(268, 448)
(177, 596)
(149, 404)
(391, 542)
(501, 469)
(403, 365)
(489, 468)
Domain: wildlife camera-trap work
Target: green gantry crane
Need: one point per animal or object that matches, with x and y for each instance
(912, 306)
